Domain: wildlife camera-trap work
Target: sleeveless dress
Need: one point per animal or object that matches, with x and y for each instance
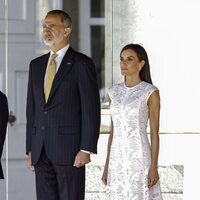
(130, 155)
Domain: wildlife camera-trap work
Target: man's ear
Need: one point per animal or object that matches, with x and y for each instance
(67, 31)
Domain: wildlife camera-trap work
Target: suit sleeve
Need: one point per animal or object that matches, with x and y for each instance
(30, 107)
(90, 106)
(3, 120)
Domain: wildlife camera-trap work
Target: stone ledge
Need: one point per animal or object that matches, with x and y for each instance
(168, 197)
(171, 179)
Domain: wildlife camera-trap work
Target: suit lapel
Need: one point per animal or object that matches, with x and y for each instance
(41, 75)
(65, 66)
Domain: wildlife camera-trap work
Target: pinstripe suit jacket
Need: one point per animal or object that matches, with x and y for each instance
(3, 125)
(70, 120)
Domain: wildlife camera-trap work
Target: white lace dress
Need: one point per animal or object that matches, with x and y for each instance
(130, 155)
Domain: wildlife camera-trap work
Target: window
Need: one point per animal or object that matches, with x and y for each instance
(92, 37)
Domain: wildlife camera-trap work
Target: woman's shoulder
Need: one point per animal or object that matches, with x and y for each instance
(116, 86)
(149, 89)
(150, 86)
(115, 89)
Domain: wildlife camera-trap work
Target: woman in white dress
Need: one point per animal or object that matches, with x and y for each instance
(130, 171)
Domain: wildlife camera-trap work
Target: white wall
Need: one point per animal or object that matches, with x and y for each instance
(169, 32)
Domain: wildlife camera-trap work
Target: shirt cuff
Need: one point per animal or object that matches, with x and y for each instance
(87, 152)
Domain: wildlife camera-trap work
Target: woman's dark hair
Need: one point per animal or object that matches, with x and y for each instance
(145, 74)
(65, 18)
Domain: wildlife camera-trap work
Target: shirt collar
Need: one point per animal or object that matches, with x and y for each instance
(61, 52)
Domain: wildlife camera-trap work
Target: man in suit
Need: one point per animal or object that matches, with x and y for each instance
(63, 119)
(3, 125)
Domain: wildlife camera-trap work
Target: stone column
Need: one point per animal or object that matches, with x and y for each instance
(121, 27)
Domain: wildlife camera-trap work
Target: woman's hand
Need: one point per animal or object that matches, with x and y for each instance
(153, 176)
(105, 175)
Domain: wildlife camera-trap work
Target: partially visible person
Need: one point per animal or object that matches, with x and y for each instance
(3, 125)
(63, 114)
(131, 168)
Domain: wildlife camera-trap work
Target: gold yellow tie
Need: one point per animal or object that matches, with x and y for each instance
(50, 74)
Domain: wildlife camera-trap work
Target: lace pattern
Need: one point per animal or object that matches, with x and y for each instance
(130, 155)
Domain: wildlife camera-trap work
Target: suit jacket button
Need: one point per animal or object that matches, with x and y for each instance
(45, 112)
(42, 127)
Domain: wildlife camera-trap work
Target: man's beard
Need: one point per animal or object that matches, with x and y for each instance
(52, 41)
(49, 42)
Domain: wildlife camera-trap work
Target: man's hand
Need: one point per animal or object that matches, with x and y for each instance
(29, 163)
(81, 159)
